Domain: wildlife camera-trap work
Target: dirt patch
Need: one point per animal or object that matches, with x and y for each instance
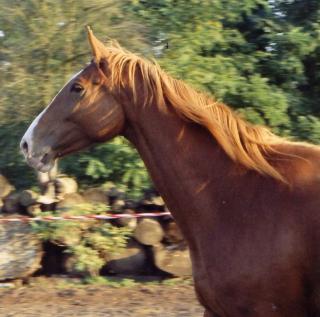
(63, 298)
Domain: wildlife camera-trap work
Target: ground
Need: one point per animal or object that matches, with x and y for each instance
(59, 297)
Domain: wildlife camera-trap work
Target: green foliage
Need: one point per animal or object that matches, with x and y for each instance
(87, 260)
(89, 242)
(55, 231)
(106, 238)
(41, 45)
(116, 161)
(308, 127)
(259, 56)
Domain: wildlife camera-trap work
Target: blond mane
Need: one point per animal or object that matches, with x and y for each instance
(244, 143)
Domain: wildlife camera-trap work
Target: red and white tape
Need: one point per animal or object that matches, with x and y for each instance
(84, 217)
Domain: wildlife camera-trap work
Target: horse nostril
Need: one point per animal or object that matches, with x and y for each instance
(25, 147)
(45, 159)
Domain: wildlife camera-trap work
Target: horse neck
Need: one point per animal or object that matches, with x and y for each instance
(188, 167)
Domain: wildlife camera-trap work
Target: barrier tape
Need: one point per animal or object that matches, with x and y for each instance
(84, 217)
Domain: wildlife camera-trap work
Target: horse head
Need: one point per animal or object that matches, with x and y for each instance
(82, 113)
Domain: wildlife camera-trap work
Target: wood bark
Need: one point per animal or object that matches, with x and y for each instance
(20, 251)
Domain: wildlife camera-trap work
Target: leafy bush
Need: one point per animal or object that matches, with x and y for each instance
(116, 161)
(89, 243)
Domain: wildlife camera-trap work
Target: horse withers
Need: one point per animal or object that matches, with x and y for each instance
(246, 200)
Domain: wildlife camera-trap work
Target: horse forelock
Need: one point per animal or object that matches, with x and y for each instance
(250, 145)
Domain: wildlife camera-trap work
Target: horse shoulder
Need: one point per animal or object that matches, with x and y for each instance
(302, 167)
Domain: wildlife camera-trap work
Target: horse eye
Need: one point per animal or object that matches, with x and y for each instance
(76, 88)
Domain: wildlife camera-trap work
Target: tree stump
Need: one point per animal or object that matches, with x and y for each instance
(20, 251)
(148, 232)
(171, 260)
(96, 196)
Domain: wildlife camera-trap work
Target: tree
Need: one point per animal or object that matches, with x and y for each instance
(42, 43)
(259, 56)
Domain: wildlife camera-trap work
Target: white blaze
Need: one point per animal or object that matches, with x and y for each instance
(28, 136)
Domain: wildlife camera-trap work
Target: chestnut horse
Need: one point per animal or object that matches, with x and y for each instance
(246, 200)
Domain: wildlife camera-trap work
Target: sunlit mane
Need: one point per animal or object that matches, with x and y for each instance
(243, 142)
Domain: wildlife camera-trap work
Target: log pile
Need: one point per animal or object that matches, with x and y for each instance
(20, 251)
(156, 245)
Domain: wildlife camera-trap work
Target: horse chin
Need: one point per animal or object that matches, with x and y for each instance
(42, 167)
(46, 167)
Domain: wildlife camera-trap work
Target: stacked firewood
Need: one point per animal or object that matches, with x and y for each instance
(156, 245)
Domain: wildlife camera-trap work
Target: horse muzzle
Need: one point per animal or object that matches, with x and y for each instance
(42, 160)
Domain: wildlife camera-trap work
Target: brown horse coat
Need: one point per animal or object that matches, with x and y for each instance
(246, 200)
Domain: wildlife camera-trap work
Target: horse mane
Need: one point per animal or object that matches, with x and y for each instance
(249, 145)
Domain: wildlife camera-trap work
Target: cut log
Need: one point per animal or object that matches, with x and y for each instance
(148, 232)
(174, 261)
(20, 251)
(28, 197)
(96, 196)
(11, 203)
(65, 185)
(70, 201)
(5, 187)
(130, 260)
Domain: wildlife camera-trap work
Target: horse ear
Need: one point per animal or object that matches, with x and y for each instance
(103, 66)
(97, 46)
